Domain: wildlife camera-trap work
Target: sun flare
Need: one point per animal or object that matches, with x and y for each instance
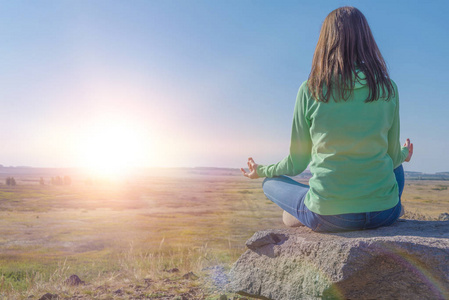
(110, 148)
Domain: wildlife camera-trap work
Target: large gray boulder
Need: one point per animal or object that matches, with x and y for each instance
(409, 260)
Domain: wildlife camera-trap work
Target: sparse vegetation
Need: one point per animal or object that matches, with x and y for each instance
(440, 187)
(118, 236)
(124, 239)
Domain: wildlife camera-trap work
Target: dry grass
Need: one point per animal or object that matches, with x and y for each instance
(122, 238)
(425, 199)
(115, 235)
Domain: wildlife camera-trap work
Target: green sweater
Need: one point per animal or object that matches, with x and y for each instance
(352, 148)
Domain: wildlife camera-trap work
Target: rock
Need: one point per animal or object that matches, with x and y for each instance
(443, 217)
(408, 260)
(190, 276)
(262, 238)
(49, 296)
(223, 297)
(74, 280)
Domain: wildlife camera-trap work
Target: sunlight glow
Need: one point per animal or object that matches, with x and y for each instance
(111, 147)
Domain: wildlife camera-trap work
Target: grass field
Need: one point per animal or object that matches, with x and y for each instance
(137, 238)
(426, 197)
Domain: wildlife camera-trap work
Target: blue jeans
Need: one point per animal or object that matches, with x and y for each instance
(290, 195)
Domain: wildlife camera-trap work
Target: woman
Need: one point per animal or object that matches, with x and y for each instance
(346, 127)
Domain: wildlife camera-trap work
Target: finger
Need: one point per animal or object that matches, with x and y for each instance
(410, 149)
(410, 153)
(244, 173)
(253, 163)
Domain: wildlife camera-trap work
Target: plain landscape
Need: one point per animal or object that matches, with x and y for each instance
(153, 234)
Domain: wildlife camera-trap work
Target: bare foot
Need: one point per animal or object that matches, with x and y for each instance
(290, 220)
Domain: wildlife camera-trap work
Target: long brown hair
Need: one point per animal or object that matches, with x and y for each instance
(345, 45)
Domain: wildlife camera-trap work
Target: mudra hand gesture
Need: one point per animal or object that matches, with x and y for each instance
(410, 150)
(252, 166)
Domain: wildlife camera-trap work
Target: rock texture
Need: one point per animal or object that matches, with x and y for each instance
(409, 260)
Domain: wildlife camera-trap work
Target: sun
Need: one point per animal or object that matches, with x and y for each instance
(110, 148)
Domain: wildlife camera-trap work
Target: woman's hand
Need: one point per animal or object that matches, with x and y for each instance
(410, 150)
(252, 169)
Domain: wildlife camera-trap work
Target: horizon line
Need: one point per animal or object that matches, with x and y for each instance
(196, 167)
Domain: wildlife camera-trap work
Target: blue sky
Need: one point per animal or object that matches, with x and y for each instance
(204, 83)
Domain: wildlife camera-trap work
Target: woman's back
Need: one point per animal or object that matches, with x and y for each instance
(350, 162)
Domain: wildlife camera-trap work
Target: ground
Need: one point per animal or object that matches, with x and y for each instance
(138, 236)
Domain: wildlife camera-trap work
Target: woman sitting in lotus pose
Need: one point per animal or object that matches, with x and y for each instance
(346, 127)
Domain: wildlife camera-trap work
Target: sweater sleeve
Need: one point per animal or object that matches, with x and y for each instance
(300, 146)
(397, 152)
